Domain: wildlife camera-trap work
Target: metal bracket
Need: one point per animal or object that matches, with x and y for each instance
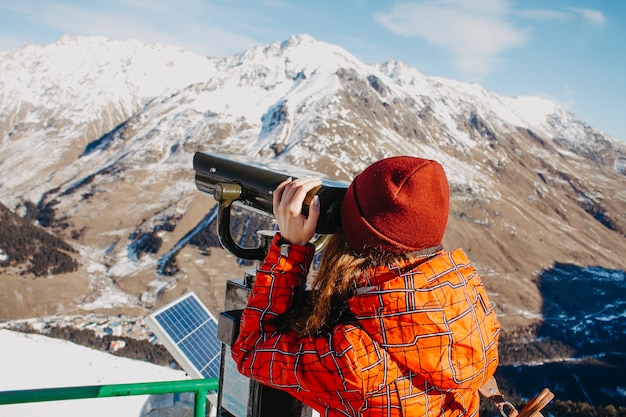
(226, 195)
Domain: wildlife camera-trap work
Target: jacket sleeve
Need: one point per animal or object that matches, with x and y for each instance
(282, 358)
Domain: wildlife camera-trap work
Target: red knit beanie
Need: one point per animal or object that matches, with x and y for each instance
(398, 204)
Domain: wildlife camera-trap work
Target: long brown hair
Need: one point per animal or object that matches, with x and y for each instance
(340, 272)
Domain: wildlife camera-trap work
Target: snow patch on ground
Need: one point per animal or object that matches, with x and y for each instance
(36, 361)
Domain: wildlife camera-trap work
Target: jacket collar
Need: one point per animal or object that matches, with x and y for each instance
(381, 274)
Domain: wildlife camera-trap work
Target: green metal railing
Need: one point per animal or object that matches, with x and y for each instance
(200, 387)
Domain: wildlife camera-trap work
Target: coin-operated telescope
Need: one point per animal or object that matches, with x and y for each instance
(249, 183)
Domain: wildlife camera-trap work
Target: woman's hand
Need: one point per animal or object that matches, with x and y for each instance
(288, 199)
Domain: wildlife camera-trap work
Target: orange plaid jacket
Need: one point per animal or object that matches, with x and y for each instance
(425, 339)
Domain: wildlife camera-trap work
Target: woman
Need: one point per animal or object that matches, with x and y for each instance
(397, 327)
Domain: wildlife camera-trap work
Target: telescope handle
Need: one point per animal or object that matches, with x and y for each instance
(226, 195)
(250, 183)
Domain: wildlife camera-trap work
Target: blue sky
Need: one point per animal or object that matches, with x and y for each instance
(573, 52)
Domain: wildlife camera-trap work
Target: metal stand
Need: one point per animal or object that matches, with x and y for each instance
(240, 396)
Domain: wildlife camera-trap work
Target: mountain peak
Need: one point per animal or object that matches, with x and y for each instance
(115, 132)
(69, 39)
(297, 40)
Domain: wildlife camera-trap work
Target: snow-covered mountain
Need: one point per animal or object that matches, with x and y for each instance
(99, 136)
(56, 99)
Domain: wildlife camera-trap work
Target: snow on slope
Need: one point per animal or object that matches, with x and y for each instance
(299, 101)
(459, 96)
(82, 70)
(58, 97)
(53, 100)
(35, 361)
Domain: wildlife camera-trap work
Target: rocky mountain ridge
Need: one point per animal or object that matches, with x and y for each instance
(104, 147)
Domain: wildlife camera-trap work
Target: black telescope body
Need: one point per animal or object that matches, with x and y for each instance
(250, 182)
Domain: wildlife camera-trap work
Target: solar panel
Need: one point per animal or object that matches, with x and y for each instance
(189, 332)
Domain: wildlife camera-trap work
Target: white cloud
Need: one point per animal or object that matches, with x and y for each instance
(476, 32)
(594, 17)
(538, 14)
(186, 23)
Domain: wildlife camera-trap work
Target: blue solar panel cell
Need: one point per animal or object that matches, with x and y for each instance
(189, 332)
